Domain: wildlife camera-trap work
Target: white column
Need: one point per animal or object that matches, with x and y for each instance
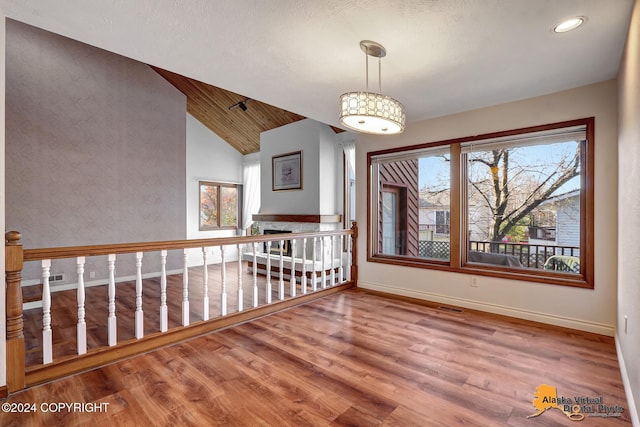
(281, 266)
(340, 269)
(314, 277)
(323, 274)
(303, 282)
(164, 315)
(185, 288)
(292, 279)
(47, 340)
(268, 291)
(255, 275)
(333, 252)
(205, 286)
(139, 313)
(112, 325)
(240, 291)
(223, 292)
(348, 265)
(82, 326)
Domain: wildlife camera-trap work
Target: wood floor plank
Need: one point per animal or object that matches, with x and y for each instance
(351, 358)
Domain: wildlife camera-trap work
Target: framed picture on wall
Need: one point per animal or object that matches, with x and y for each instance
(287, 171)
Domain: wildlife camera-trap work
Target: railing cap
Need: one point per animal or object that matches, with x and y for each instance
(12, 238)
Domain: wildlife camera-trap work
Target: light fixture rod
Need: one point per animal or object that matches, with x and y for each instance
(366, 67)
(379, 75)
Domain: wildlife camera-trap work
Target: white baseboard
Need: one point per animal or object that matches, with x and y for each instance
(632, 408)
(100, 282)
(91, 283)
(551, 319)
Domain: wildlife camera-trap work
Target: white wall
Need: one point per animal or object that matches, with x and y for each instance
(628, 338)
(586, 309)
(209, 158)
(318, 144)
(330, 171)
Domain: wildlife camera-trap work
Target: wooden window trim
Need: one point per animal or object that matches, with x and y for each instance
(219, 186)
(458, 262)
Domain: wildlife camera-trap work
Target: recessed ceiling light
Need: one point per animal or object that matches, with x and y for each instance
(569, 24)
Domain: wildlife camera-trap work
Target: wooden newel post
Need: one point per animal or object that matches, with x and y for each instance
(15, 335)
(354, 253)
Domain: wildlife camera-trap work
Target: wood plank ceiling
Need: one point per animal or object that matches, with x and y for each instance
(220, 111)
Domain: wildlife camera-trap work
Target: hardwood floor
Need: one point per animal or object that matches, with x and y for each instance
(352, 358)
(64, 308)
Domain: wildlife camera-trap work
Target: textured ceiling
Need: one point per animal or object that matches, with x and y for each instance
(444, 56)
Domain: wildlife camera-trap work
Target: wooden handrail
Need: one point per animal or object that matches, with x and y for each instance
(15, 331)
(15, 256)
(120, 248)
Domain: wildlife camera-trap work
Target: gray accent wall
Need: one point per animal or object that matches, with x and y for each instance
(95, 145)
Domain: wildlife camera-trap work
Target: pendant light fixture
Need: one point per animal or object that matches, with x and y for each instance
(370, 112)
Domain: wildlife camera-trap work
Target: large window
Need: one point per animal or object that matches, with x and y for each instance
(218, 205)
(515, 204)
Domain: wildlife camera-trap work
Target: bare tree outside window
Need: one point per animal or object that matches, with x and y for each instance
(490, 204)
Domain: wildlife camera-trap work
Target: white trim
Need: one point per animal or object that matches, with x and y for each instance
(551, 319)
(100, 282)
(545, 137)
(31, 305)
(631, 404)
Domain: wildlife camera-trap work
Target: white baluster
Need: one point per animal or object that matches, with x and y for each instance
(223, 292)
(164, 314)
(268, 292)
(240, 291)
(292, 279)
(281, 265)
(255, 275)
(303, 283)
(112, 325)
(324, 268)
(139, 313)
(185, 289)
(47, 340)
(205, 286)
(82, 326)
(340, 268)
(348, 266)
(314, 277)
(333, 249)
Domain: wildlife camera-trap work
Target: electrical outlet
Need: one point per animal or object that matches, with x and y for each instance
(92, 275)
(473, 281)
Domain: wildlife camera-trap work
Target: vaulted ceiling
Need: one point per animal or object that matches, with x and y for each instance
(235, 118)
(443, 56)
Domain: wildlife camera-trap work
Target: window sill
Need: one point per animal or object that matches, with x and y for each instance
(545, 277)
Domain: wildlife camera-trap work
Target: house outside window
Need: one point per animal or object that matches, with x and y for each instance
(515, 204)
(219, 208)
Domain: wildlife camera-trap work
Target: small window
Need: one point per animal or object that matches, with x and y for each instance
(219, 207)
(516, 204)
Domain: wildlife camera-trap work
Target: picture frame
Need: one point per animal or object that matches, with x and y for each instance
(286, 171)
